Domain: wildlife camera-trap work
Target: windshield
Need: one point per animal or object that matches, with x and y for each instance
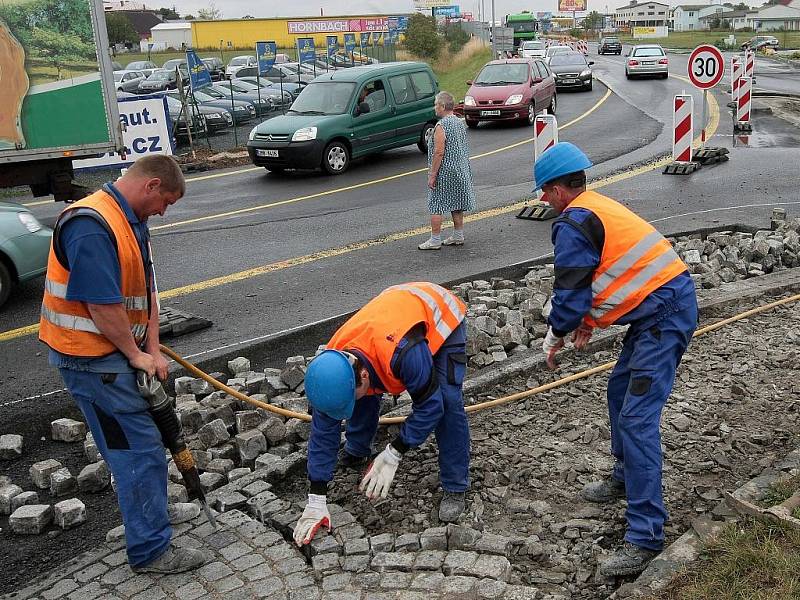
(118, 76)
(160, 76)
(173, 103)
(239, 61)
(611, 41)
(243, 86)
(503, 74)
(557, 49)
(324, 98)
(523, 26)
(215, 93)
(648, 52)
(203, 97)
(139, 65)
(567, 59)
(532, 45)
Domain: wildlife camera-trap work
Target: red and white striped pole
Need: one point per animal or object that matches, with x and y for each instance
(749, 63)
(545, 133)
(584, 47)
(744, 99)
(736, 72)
(682, 129)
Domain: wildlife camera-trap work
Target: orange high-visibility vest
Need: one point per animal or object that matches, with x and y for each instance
(376, 329)
(636, 260)
(66, 325)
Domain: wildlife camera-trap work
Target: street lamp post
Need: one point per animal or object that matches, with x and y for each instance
(494, 43)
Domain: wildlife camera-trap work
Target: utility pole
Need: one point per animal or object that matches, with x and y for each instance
(494, 43)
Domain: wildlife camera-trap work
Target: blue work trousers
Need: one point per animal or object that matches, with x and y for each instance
(452, 430)
(131, 445)
(638, 389)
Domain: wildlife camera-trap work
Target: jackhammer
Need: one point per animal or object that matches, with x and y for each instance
(172, 435)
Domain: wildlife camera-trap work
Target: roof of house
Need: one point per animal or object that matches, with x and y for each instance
(730, 14)
(691, 6)
(635, 4)
(173, 25)
(142, 20)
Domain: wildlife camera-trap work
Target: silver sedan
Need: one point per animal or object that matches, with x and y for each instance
(647, 59)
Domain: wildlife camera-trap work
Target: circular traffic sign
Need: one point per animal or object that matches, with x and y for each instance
(706, 66)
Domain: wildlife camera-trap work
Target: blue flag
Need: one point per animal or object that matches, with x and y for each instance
(366, 39)
(265, 52)
(305, 50)
(199, 77)
(377, 38)
(333, 45)
(349, 42)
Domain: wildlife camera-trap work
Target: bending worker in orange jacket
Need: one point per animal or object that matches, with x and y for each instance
(410, 337)
(612, 267)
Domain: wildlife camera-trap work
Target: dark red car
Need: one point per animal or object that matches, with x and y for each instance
(513, 89)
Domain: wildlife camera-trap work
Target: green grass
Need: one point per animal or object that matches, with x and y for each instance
(691, 39)
(780, 490)
(453, 75)
(748, 561)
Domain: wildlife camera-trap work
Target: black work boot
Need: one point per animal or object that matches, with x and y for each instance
(607, 490)
(350, 461)
(629, 559)
(452, 506)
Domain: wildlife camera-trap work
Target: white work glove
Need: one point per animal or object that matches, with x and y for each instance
(551, 345)
(314, 516)
(380, 474)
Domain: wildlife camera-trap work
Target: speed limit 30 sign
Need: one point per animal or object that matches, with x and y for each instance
(706, 66)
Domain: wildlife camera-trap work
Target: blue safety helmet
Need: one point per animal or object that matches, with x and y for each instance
(331, 384)
(559, 160)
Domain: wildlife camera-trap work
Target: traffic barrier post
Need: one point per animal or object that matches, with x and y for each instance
(545, 135)
(742, 120)
(736, 73)
(682, 136)
(706, 69)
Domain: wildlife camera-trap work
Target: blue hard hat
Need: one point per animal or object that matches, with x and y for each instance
(559, 160)
(331, 384)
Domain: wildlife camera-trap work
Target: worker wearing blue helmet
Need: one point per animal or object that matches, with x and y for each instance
(410, 337)
(612, 267)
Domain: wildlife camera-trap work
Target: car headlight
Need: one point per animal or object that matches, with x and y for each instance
(305, 134)
(586, 73)
(469, 101)
(29, 221)
(214, 116)
(240, 108)
(252, 135)
(515, 99)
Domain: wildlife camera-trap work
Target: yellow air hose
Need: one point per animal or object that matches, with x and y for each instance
(474, 407)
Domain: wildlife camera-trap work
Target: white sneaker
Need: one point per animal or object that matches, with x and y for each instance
(453, 241)
(430, 245)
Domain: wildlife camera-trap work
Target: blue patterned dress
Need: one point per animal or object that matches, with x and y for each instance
(453, 191)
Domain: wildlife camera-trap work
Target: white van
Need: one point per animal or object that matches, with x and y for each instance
(532, 49)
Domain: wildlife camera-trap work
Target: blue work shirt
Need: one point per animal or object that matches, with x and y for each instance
(576, 259)
(95, 276)
(414, 368)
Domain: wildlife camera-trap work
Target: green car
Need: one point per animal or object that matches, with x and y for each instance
(348, 114)
(24, 247)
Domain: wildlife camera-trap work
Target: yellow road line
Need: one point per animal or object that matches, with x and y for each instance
(334, 252)
(372, 182)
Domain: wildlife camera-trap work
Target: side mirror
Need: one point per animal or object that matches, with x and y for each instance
(536, 80)
(363, 108)
(469, 81)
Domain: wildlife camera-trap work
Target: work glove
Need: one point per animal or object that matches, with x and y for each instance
(380, 474)
(551, 345)
(314, 516)
(581, 336)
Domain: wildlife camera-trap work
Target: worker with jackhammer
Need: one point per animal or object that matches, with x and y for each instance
(100, 319)
(410, 337)
(612, 267)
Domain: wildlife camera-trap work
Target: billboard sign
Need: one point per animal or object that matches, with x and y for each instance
(451, 12)
(429, 4)
(571, 5)
(199, 77)
(399, 23)
(147, 129)
(266, 53)
(305, 50)
(544, 16)
(328, 26)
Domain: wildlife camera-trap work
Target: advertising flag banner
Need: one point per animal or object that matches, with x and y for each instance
(349, 42)
(265, 52)
(366, 39)
(199, 77)
(305, 50)
(377, 38)
(333, 45)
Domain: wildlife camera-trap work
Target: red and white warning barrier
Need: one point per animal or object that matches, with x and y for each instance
(749, 63)
(545, 133)
(682, 129)
(744, 99)
(583, 47)
(737, 70)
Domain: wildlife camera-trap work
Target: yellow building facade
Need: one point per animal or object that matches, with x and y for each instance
(244, 33)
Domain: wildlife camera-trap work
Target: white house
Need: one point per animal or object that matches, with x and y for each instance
(730, 19)
(686, 17)
(771, 18)
(642, 14)
(172, 34)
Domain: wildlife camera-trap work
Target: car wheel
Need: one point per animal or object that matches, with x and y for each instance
(472, 124)
(665, 75)
(335, 158)
(5, 283)
(553, 105)
(531, 113)
(627, 75)
(427, 131)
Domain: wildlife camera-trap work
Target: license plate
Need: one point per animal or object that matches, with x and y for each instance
(648, 62)
(490, 113)
(267, 153)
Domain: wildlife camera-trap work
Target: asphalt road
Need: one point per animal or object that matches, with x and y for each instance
(259, 253)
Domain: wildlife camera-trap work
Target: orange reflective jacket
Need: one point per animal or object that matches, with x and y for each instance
(376, 329)
(636, 260)
(66, 325)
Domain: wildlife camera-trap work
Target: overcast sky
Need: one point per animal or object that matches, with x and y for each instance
(295, 8)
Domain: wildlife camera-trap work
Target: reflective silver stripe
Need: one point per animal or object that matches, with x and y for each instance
(625, 262)
(442, 328)
(136, 302)
(645, 275)
(138, 331)
(70, 321)
(59, 290)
